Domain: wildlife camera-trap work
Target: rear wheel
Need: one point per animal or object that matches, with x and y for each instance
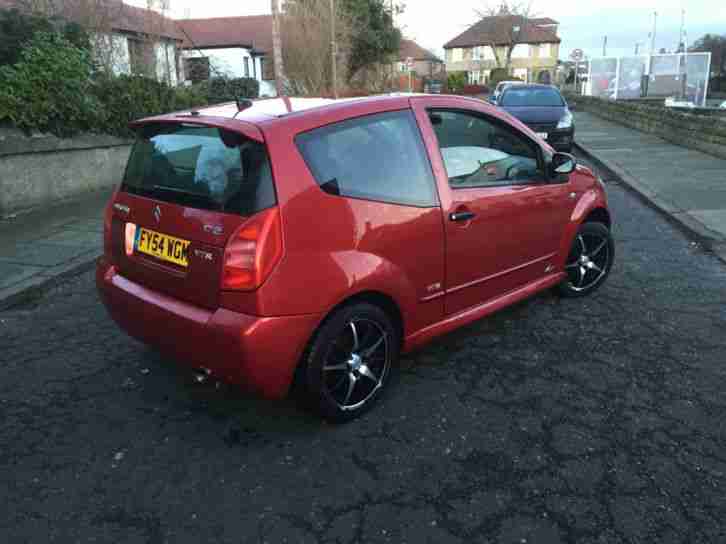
(589, 261)
(349, 362)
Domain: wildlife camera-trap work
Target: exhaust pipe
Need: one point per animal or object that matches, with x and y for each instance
(201, 375)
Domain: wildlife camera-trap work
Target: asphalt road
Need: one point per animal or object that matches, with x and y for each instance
(597, 420)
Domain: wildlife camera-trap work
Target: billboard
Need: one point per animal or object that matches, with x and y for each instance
(630, 77)
(683, 76)
(602, 76)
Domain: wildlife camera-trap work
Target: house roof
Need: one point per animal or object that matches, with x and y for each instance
(253, 31)
(497, 30)
(113, 14)
(410, 49)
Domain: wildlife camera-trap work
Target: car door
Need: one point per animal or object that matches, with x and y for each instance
(503, 218)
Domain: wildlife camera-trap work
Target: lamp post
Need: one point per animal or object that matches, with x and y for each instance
(334, 46)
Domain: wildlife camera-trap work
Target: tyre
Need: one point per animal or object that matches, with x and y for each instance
(350, 361)
(589, 261)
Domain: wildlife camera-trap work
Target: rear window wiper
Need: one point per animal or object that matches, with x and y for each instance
(187, 194)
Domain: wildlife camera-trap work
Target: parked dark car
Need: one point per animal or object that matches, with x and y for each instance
(312, 241)
(433, 86)
(543, 109)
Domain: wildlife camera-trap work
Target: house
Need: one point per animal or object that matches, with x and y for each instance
(231, 47)
(125, 39)
(425, 63)
(483, 47)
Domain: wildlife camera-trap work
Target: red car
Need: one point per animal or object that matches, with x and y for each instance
(312, 241)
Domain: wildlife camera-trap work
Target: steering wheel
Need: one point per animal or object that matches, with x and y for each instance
(512, 172)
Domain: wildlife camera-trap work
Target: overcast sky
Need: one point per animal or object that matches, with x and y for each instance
(582, 24)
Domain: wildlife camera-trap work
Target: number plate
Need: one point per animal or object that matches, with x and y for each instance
(162, 246)
(542, 135)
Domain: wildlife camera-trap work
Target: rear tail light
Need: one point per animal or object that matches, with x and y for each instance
(129, 238)
(252, 252)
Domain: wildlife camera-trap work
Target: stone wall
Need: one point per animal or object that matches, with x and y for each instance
(702, 130)
(43, 170)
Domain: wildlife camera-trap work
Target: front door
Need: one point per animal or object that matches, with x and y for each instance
(503, 221)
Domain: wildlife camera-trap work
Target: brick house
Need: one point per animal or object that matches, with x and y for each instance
(425, 63)
(229, 46)
(534, 57)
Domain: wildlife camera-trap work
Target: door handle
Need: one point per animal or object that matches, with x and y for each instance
(462, 216)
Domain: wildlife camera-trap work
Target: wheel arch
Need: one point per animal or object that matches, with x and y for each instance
(377, 298)
(598, 215)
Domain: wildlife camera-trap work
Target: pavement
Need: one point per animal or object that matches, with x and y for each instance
(595, 420)
(688, 185)
(41, 248)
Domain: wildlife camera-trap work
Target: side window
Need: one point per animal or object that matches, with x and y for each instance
(481, 153)
(377, 157)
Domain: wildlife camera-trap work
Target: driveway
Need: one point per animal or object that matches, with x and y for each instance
(595, 420)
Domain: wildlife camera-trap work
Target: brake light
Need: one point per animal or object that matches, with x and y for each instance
(130, 238)
(252, 252)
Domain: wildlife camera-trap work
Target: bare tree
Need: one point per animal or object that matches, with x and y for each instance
(307, 26)
(277, 49)
(512, 24)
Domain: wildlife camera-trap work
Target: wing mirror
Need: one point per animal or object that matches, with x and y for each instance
(562, 164)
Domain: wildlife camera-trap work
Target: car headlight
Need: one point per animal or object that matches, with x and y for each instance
(566, 121)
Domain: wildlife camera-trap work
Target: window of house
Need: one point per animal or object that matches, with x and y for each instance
(141, 57)
(544, 50)
(474, 77)
(197, 69)
(479, 152)
(378, 157)
(267, 69)
(457, 54)
(520, 51)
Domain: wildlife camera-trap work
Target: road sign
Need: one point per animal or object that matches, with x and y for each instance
(409, 64)
(577, 55)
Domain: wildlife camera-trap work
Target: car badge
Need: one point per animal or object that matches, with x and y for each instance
(157, 213)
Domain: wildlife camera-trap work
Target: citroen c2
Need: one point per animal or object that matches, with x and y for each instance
(310, 242)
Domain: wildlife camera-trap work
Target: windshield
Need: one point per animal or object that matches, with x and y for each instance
(202, 167)
(532, 97)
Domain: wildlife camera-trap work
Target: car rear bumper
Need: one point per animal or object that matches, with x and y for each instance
(258, 353)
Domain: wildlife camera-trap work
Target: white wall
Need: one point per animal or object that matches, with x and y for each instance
(228, 62)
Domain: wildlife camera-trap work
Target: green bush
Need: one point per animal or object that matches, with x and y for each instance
(50, 88)
(455, 81)
(498, 75)
(221, 89)
(127, 98)
(17, 28)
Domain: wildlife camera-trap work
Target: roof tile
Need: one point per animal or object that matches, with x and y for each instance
(497, 29)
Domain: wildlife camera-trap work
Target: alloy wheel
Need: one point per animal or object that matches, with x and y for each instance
(356, 364)
(588, 261)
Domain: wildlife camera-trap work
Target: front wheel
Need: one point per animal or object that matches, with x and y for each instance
(349, 362)
(589, 261)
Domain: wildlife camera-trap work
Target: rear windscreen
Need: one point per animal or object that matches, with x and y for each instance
(532, 97)
(201, 167)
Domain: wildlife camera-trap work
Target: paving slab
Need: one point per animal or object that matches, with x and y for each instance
(42, 247)
(686, 184)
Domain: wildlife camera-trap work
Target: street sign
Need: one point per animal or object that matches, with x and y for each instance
(409, 64)
(577, 55)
